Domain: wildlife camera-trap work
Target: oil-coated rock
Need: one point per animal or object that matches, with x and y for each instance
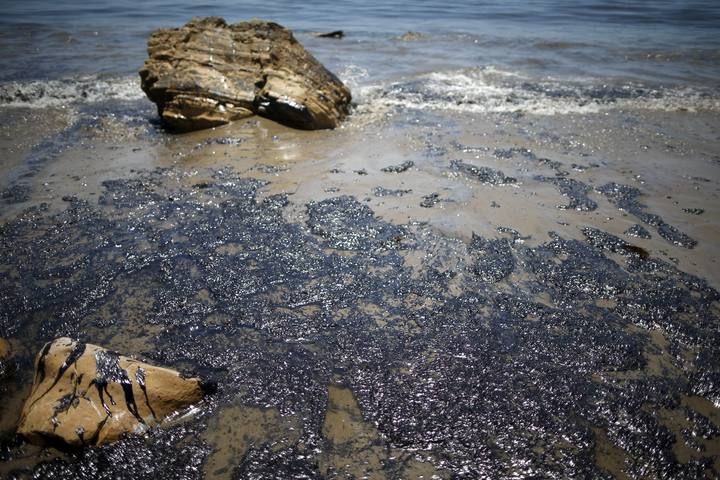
(83, 394)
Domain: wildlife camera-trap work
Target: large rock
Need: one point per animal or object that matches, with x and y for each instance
(209, 73)
(85, 395)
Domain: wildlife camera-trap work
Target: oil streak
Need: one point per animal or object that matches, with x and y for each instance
(109, 371)
(74, 355)
(140, 379)
(41, 364)
(67, 401)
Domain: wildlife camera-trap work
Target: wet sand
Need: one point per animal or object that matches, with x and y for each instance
(537, 288)
(672, 157)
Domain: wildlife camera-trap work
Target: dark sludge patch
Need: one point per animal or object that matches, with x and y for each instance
(575, 190)
(700, 425)
(290, 461)
(705, 380)
(506, 153)
(467, 148)
(349, 225)
(626, 198)
(90, 119)
(556, 266)
(403, 167)
(265, 168)
(277, 201)
(5, 370)
(493, 259)
(16, 193)
(638, 231)
(482, 174)
(387, 192)
(424, 404)
(219, 141)
(430, 200)
(529, 155)
(606, 241)
(434, 150)
(516, 236)
(154, 455)
(127, 192)
(572, 346)
(639, 251)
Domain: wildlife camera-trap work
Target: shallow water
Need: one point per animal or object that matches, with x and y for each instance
(488, 311)
(668, 39)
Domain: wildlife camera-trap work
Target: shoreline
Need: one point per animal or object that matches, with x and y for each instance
(191, 264)
(677, 176)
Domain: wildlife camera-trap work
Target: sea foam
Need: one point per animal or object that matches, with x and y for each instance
(491, 90)
(68, 92)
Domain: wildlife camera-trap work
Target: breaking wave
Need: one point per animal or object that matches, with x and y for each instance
(470, 90)
(489, 90)
(67, 92)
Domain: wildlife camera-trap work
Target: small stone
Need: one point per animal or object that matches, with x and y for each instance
(387, 192)
(338, 34)
(85, 395)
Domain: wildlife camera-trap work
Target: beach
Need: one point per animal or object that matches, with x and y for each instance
(503, 264)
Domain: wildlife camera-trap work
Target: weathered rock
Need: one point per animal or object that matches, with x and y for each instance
(5, 349)
(334, 34)
(5, 354)
(86, 395)
(208, 73)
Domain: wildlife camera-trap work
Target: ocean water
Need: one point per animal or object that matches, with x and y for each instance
(540, 56)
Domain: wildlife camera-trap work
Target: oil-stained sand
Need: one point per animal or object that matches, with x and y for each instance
(499, 332)
(355, 448)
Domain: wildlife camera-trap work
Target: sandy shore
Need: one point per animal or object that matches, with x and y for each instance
(672, 157)
(55, 158)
